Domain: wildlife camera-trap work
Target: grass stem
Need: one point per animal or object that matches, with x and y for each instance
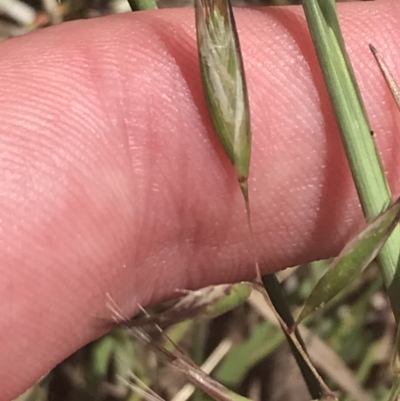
(357, 136)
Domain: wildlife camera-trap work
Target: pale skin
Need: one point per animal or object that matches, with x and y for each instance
(113, 182)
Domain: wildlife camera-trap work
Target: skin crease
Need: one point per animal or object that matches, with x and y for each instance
(112, 180)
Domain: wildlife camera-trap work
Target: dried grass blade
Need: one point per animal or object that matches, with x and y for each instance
(391, 82)
(187, 367)
(208, 366)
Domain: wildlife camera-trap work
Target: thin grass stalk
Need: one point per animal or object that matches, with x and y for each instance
(357, 137)
(200, 336)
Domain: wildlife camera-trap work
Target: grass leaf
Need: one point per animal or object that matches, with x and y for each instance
(262, 342)
(355, 256)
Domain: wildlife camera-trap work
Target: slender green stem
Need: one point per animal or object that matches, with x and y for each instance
(357, 136)
(200, 334)
(199, 341)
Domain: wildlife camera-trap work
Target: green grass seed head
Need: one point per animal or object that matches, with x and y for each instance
(224, 80)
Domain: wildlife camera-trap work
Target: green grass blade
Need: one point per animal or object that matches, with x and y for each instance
(355, 256)
(176, 333)
(364, 160)
(243, 357)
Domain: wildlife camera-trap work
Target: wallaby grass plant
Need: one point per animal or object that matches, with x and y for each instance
(120, 366)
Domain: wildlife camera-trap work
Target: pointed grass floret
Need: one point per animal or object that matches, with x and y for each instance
(208, 302)
(224, 81)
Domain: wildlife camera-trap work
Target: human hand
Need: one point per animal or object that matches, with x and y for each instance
(112, 179)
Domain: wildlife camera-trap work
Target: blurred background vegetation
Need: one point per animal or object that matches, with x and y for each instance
(21, 16)
(350, 341)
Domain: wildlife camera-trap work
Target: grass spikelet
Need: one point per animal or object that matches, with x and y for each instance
(224, 82)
